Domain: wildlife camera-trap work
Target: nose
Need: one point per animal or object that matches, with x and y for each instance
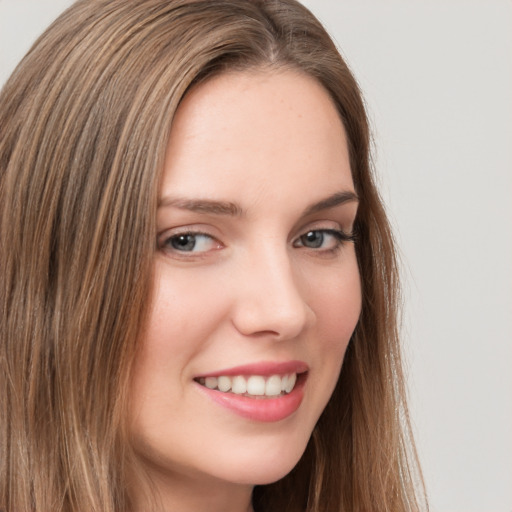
(269, 299)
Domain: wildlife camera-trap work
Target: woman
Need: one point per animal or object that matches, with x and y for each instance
(199, 289)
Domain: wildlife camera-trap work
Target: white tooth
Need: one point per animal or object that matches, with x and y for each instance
(210, 382)
(224, 383)
(256, 385)
(273, 386)
(291, 382)
(284, 382)
(239, 385)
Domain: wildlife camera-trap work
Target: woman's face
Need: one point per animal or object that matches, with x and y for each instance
(256, 283)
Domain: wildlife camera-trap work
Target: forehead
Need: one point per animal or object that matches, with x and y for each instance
(270, 130)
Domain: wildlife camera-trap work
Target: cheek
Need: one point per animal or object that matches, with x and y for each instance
(337, 305)
(178, 302)
(170, 339)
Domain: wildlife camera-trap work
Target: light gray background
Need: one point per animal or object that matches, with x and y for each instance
(437, 77)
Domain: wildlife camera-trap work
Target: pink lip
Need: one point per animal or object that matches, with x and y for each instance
(260, 409)
(264, 369)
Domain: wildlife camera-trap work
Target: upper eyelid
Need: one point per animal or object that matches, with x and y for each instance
(186, 230)
(324, 224)
(335, 217)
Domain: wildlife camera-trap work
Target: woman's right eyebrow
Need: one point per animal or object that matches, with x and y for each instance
(202, 206)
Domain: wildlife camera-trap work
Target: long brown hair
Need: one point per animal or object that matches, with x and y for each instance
(84, 125)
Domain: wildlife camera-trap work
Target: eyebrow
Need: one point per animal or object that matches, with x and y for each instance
(336, 199)
(232, 209)
(202, 206)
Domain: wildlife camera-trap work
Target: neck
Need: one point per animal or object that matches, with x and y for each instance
(168, 494)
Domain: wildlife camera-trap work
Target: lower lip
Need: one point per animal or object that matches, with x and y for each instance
(260, 409)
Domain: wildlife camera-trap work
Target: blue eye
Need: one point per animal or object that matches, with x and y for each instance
(313, 239)
(327, 239)
(190, 242)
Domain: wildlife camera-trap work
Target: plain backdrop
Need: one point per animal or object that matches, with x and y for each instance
(437, 78)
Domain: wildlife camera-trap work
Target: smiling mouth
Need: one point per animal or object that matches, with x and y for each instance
(253, 386)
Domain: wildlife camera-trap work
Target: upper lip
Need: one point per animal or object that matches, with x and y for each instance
(264, 368)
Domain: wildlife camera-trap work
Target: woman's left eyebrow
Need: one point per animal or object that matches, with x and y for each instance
(333, 200)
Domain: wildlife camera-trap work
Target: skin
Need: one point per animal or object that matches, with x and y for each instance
(252, 289)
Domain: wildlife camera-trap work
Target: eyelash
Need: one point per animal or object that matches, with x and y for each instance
(340, 236)
(168, 242)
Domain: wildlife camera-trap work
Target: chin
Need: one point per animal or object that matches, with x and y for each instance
(263, 465)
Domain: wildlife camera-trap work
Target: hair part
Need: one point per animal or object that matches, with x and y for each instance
(84, 125)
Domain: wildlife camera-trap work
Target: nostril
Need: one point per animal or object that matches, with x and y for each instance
(272, 321)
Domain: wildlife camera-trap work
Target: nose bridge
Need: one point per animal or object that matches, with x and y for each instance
(270, 299)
